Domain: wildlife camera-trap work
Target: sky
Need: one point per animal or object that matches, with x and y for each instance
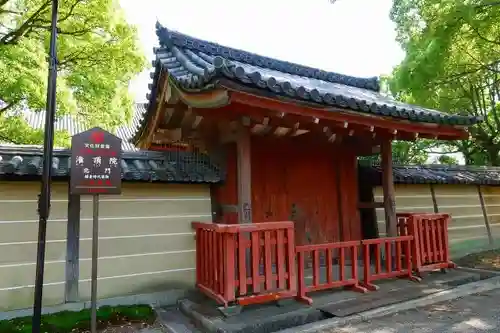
(353, 37)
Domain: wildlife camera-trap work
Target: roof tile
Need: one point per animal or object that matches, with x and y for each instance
(178, 166)
(434, 174)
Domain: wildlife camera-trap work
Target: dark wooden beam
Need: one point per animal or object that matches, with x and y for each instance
(370, 205)
(388, 187)
(485, 215)
(71, 293)
(434, 200)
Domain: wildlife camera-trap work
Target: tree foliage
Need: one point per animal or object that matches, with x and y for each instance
(407, 153)
(98, 54)
(452, 63)
(446, 159)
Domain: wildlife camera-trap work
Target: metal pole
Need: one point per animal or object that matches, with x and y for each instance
(44, 196)
(95, 245)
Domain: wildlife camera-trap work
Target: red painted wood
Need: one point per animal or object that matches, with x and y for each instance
(268, 268)
(342, 263)
(343, 281)
(280, 258)
(199, 259)
(222, 260)
(255, 250)
(329, 263)
(210, 261)
(355, 268)
(390, 270)
(399, 254)
(302, 279)
(316, 263)
(242, 267)
(290, 253)
(378, 265)
(430, 246)
(230, 267)
(223, 245)
(306, 181)
(388, 256)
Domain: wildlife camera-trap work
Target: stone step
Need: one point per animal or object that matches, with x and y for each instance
(174, 321)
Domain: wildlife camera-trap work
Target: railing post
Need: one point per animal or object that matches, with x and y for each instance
(412, 222)
(446, 249)
(292, 278)
(407, 255)
(229, 267)
(367, 268)
(198, 253)
(301, 295)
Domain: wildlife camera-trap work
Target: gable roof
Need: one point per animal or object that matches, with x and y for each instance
(196, 65)
(433, 174)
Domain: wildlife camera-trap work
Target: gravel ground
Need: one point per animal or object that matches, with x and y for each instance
(474, 313)
(489, 259)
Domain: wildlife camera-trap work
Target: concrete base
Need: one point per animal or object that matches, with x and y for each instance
(272, 318)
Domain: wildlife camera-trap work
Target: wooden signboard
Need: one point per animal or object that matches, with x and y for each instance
(95, 170)
(95, 163)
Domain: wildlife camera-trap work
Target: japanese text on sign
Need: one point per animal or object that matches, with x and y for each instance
(96, 157)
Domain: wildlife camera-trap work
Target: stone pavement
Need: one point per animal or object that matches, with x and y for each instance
(474, 313)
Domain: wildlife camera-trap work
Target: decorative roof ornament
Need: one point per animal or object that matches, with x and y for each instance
(163, 35)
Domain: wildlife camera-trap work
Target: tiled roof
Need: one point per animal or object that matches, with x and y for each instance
(434, 174)
(196, 64)
(73, 126)
(178, 167)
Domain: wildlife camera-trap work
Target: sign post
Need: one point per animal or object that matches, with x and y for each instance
(95, 170)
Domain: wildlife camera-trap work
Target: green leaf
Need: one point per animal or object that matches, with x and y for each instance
(98, 53)
(452, 64)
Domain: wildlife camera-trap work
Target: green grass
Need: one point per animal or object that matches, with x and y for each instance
(69, 321)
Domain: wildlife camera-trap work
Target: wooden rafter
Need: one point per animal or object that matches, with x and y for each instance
(344, 116)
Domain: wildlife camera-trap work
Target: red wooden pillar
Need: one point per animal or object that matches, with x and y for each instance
(244, 179)
(388, 188)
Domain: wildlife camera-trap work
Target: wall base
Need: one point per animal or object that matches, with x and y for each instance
(163, 298)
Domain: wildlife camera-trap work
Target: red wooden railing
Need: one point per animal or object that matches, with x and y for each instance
(430, 248)
(431, 242)
(255, 263)
(397, 254)
(332, 252)
(246, 263)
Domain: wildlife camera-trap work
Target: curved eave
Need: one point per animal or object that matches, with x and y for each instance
(239, 75)
(150, 107)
